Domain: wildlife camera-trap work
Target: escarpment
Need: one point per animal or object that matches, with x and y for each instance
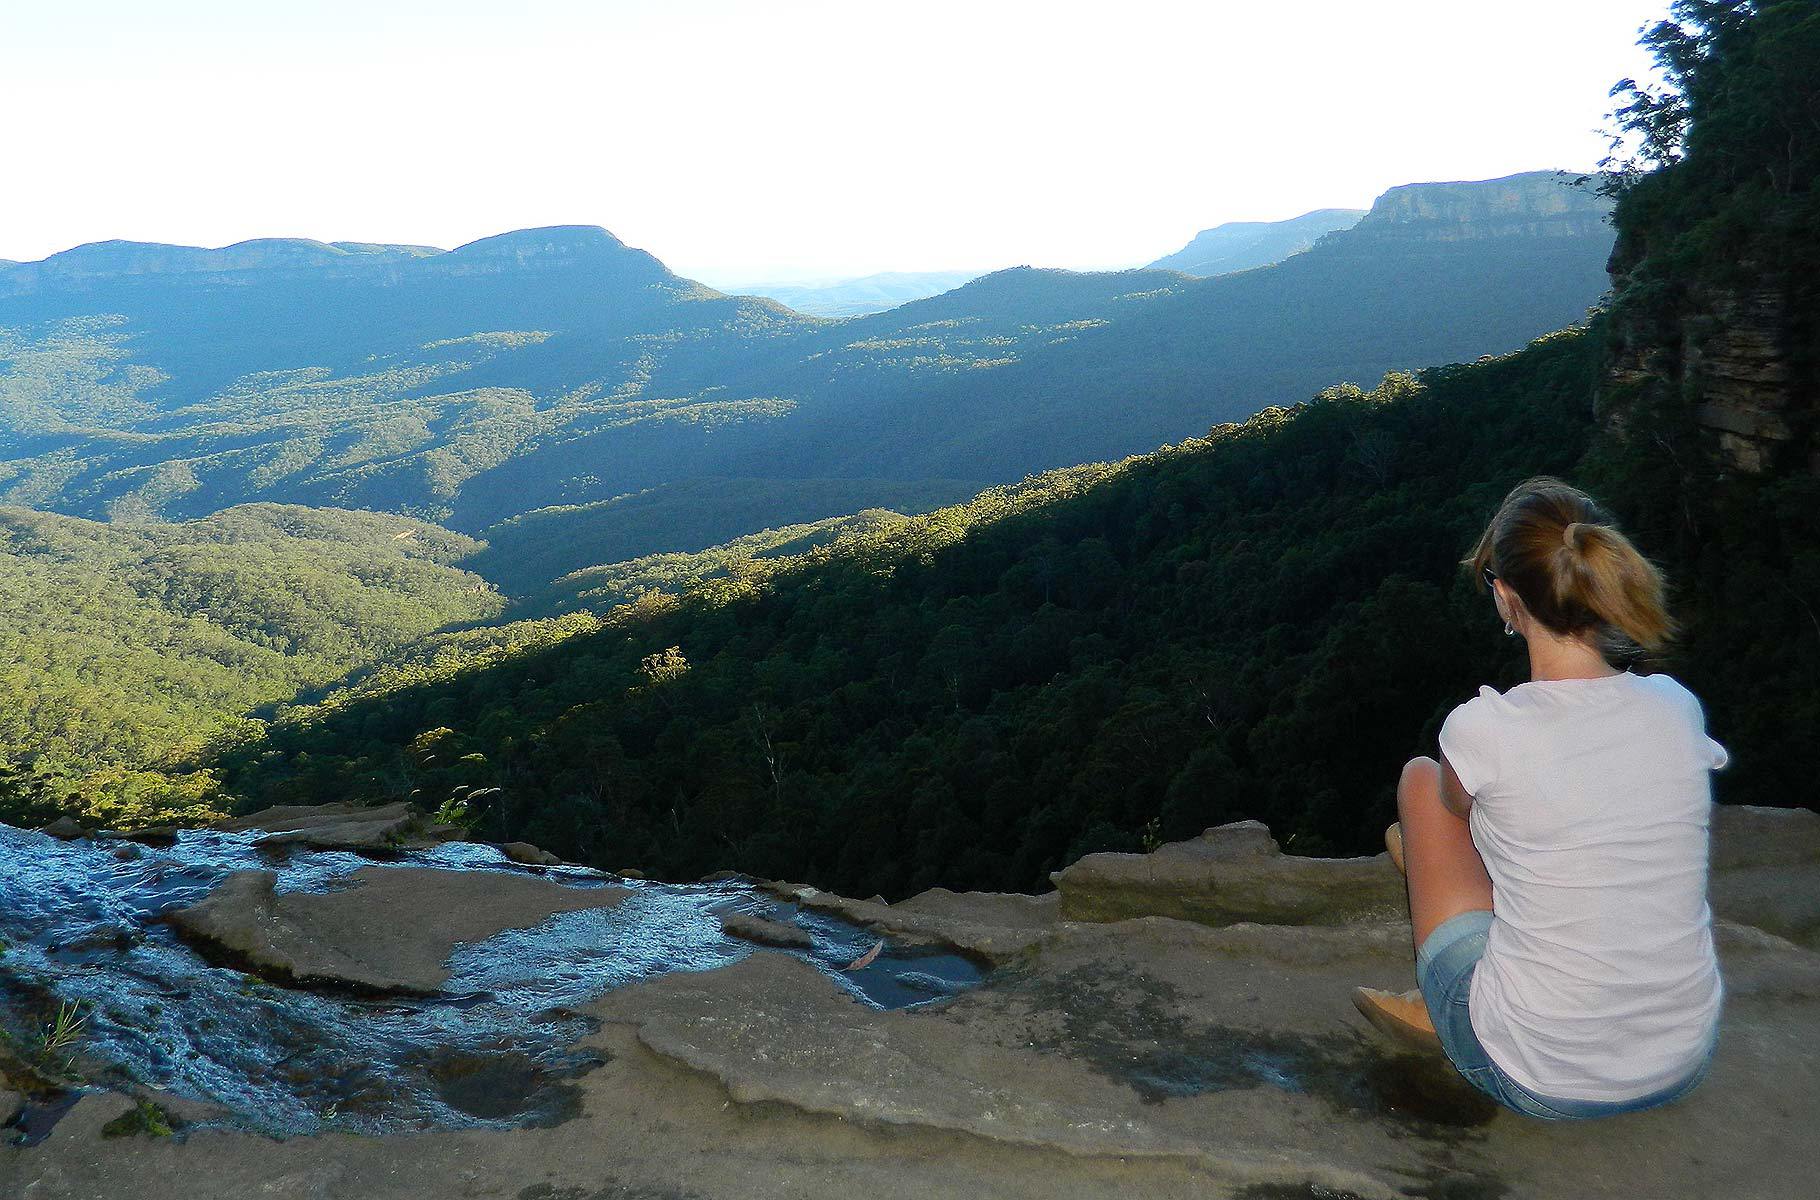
(1534, 204)
(1727, 348)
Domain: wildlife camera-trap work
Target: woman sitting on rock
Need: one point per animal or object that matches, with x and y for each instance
(1557, 854)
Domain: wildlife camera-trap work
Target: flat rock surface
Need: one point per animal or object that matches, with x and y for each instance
(1151, 1058)
(1230, 873)
(1147, 1057)
(342, 826)
(988, 925)
(390, 929)
(766, 932)
(1766, 870)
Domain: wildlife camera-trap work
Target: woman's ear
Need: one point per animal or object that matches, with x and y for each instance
(1509, 606)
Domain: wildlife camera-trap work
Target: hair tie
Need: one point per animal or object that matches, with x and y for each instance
(1567, 535)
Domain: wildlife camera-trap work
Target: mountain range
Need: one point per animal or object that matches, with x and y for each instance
(1242, 245)
(559, 367)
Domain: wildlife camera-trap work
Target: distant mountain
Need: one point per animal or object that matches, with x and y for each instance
(1436, 273)
(1241, 245)
(113, 260)
(151, 381)
(857, 297)
(561, 368)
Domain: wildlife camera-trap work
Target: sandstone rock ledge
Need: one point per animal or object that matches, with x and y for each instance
(1147, 1057)
(389, 930)
(1230, 873)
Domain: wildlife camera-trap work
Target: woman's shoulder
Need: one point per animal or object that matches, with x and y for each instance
(1478, 716)
(1488, 701)
(1672, 691)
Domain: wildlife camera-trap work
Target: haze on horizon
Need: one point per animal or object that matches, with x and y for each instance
(798, 139)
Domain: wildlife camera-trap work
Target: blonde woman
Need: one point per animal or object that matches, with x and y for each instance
(1557, 854)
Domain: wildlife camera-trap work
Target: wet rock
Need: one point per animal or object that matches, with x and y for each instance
(157, 836)
(1133, 1041)
(389, 930)
(503, 1086)
(725, 877)
(65, 828)
(1230, 873)
(529, 855)
(1150, 1057)
(11, 1103)
(1766, 870)
(343, 826)
(99, 941)
(766, 932)
(630, 873)
(988, 925)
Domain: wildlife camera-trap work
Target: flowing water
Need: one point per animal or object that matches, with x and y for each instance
(80, 925)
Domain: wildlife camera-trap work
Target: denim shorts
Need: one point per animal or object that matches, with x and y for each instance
(1444, 967)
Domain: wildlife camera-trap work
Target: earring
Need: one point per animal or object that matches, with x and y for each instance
(1508, 631)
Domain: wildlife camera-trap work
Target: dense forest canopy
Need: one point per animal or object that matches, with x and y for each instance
(128, 650)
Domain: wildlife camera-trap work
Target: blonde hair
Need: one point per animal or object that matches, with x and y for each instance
(1575, 573)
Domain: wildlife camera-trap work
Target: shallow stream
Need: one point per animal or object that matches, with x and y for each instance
(80, 926)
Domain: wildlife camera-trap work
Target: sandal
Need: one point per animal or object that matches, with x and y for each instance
(1402, 1018)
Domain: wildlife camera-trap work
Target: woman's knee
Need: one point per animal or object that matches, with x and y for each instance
(1421, 781)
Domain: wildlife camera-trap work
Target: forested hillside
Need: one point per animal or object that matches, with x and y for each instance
(127, 648)
(528, 553)
(975, 696)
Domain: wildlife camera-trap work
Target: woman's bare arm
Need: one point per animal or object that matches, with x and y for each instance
(1453, 792)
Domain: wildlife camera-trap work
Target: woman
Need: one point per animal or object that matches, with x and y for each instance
(1557, 854)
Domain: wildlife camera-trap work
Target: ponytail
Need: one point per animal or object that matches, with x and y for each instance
(1572, 569)
(1599, 570)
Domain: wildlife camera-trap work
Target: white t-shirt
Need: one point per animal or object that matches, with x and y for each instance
(1591, 808)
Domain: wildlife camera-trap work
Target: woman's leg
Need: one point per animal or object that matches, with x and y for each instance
(1446, 875)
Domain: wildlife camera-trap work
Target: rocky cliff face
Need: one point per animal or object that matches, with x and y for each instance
(1727, 349)
(1543, 204)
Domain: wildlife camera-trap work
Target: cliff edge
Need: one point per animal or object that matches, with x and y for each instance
(1135, 1055)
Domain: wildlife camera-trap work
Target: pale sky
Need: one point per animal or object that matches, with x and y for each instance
(740, 141)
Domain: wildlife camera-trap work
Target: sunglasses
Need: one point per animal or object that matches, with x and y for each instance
(1491, 577)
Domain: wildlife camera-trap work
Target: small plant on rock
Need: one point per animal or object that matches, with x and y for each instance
(454, 811)
(61, 1035)
(143, 1119)
(1152, 836)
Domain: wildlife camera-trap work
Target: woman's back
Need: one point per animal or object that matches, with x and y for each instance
(1591, 808)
